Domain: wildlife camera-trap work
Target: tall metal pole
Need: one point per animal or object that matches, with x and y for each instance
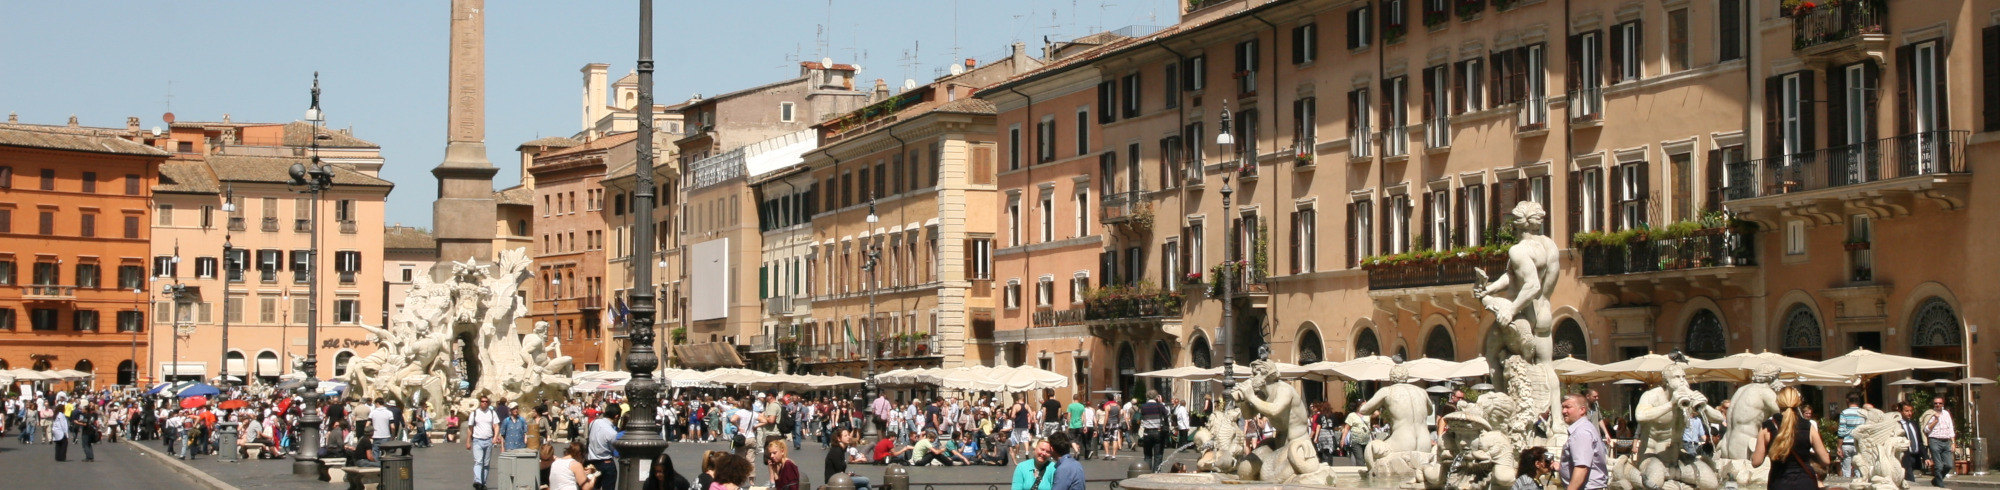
(641, 443)
(1228, 327)
(316, 179)
(228, 250)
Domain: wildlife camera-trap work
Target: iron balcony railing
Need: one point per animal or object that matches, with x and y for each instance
(1925, 153)
(1122, 206)
(1534, 114)
(1826, 24)
(1716, 247)
(1587, 104)
(1458, 270)
(1396, 141)
(1133, 306)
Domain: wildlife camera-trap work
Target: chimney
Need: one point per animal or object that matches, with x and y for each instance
(594, 85)
(971, 63)
(881, 90)
(13, 118)
(72, 120)
(132, 123)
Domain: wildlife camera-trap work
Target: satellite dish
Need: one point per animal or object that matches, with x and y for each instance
(957, 69)
(909, 85)
(168, 117)
(826, 62)
(156, 130)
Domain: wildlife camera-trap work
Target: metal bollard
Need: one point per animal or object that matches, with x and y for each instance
(840, 481)
(226, 448)
(896, 477)
(1137, 469)
(398, 472)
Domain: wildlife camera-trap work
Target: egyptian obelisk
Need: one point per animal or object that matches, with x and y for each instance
(462, 218)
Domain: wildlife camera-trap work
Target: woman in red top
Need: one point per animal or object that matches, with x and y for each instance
(784, 474)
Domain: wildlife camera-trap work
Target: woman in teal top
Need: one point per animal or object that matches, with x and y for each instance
(1036, 473)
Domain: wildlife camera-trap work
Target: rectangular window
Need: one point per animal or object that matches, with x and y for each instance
(1584, 75)
(43, 319)
(1045, 140)
(204, 267)
(302, 263)
(131, 227)
(6, 220)
(1305, 43)
(1171, 97)
(1398, 226)
(1196, 76)
(132, 182)
(1627, 49)
(1048, 217)
(1246, 67)
(90, 182)
(165, 213)
(1130, 98)
(1536, 113)
(86, 321)
(1045, 292)
(6, 177)
(1082, 130)
(1632, 195)
(87, 275)
(6, 272)
(785, 110)
(1360, 28)
(347, 263)
(1014, 147)
(301, 310)
(1472, 213)
(1437, 104)
(1358, 118)
(1729, 24)
(48, 179)
(129, 276)
(128, 321)
(1305, 240)
(1013, 293)
(1107, 100)
(1677, 40)
(346, 311)
(1305, 124)
(1395, 122)
(1014, 218)
(1082, 212)
(1470, 86)
(982, 258)
(1590, 196)
(87, 225)
(1795, 237)
(48, 223)
(1437, 210)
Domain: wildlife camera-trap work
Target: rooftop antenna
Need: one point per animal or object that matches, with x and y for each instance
(910, 58)
(955, 56)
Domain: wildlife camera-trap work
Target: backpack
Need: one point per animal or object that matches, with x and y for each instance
(785, 422)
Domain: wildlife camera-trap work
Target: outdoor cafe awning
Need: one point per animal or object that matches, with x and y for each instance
(708, 355)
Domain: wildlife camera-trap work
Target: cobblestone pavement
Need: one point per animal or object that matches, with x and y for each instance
(117, 466)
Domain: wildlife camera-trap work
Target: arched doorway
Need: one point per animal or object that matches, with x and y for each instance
(1199, 355)
(1365, 344)
(1569, 340)
(268, 367)
(86, 366)
(1128, 368)
(1804, 340)
(1706, 339)
(1935, 333)
(3, 364)
(233, 365)
(128, 372)
(1312, 350)
(41, 365)
(1163, 358)
(1438, 345)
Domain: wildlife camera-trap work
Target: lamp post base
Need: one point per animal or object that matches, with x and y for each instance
(306, 467)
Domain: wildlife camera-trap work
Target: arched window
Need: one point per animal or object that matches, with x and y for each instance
(86, 366)
(1438, 345)
(1705, 338)
(3, 364)
(41, 364)
(1569, 340)
(1163, 357)
(340, 362)
(1802, 334)
(1312, 350)
(1935, 332)
(1198, 353)
(1365, 344)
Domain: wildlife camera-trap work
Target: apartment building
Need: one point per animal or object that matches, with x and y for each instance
(570, 241)
(619, 270)
(903, 233)
(222, 176)
(74, 283)
(787, 197)
(1675, 147)
(406, 253)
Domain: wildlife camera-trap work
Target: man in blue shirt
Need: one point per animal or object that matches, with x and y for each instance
(1850, 419)
(513, 429)
(603, 431)
(1069, 473)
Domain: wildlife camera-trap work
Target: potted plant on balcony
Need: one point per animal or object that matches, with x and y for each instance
(1393, 33)
(1304, 158)
(1469, 9)
(1435, 17)
(1856, 244)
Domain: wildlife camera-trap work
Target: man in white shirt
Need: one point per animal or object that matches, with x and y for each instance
(485, 425)
(1181, 426)
(382, 422)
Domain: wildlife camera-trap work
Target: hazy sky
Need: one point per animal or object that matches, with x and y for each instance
(382, 63)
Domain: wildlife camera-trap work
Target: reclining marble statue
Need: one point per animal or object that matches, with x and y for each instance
(413, 360)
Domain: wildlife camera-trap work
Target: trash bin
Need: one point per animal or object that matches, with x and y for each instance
(226, 447)
(397, 468)
(519, 469)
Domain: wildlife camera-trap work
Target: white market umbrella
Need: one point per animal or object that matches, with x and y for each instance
(1975, 381)
(1433, 369)
(71, 374)
(1320, 371)
(1183, 372)
(1646, 368)
(1737, 368)
(1371, 368)
(1867, 364)
(1477, 367)
(1909, 382)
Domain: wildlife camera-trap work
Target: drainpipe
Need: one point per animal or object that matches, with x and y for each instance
(1028, 259)
(1270, 316)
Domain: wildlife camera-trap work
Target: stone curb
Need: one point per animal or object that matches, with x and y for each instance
(183, 468)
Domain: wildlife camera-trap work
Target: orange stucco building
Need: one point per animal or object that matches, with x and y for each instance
(74, 214)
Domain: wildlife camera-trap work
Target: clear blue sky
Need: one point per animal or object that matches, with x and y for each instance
(382, 63)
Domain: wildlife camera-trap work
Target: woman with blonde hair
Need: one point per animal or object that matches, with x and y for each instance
(1794, 449)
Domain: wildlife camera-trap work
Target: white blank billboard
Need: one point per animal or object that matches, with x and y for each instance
(708, 288)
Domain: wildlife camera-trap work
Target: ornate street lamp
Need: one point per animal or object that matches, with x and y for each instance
(1223, 141)
(310, 179)
(228, 256)
(641, 443)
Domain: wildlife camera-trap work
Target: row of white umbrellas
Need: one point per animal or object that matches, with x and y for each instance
(718, 378)
(25, 374)
(1847, 370)
(1003, 379)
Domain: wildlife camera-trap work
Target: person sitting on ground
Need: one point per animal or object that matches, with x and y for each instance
(885, 450)
(963, 451)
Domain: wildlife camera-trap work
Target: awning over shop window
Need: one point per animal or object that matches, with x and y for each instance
(268, 366)
(236, 367)
(708, 355)
(198, 369)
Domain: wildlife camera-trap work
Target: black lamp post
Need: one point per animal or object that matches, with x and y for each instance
(228, 256)
(641, 443)
(1224, 140)
(314, 179)
(870, 256)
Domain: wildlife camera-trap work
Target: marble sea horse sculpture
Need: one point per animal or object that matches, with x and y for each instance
(1879, 446)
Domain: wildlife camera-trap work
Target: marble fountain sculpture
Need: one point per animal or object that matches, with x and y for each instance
(476, 305)
(1663, 414)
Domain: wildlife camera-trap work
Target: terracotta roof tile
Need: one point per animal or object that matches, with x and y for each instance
(86, 140)
(186, 177)
(551, 142)
(277, 170)
(597, 144)
(516, 195)
(407, 238)
(298, 133)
